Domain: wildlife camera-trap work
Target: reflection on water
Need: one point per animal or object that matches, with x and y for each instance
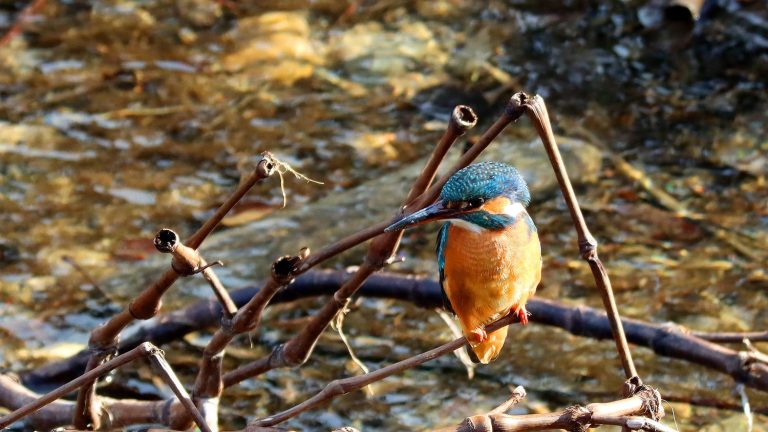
(119, 118)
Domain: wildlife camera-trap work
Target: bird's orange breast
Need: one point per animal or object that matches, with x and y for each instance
(489, 273)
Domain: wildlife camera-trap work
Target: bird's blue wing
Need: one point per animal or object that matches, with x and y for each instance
(442, 240)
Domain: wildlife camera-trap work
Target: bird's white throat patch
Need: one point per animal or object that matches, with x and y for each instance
(514, 209)
(469, 226)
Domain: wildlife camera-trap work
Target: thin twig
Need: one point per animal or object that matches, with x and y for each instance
(753, 354)
(537, 111)
(460, 354)
(338, 325)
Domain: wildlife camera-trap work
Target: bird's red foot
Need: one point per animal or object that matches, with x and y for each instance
(477, 335)
(522, 315)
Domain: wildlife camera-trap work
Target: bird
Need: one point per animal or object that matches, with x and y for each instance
(488, 250)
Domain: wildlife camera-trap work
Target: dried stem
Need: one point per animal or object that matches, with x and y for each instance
(103, 339)
(144, 350)
(343, 386)
(537, 111)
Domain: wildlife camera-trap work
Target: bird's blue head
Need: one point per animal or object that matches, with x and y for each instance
(485, 181)
(487, 195)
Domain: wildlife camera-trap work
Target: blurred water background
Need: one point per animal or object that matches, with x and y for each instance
(118, 118)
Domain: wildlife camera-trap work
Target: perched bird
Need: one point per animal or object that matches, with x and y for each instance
(488, 250)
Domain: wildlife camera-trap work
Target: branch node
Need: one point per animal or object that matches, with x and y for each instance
(285, 268)
(578, 418)
(588, 247)
(186, 261)
(651, 401)
(632, 386)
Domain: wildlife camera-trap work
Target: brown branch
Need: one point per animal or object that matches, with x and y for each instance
(575, 418)
(537, 111)
(103, 340)
(297, 350)
(144, 350)
(343, 386)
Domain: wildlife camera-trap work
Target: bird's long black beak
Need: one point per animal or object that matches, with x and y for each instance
(436, 211)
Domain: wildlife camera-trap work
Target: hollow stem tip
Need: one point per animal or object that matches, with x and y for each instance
(166, 240)
(464, 118)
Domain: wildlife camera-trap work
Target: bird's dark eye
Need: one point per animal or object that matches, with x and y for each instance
(475, 202)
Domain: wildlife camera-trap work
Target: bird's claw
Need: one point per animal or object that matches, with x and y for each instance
(477, 335)
(522, 315)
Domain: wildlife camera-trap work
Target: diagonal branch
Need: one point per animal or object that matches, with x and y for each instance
(537, 111)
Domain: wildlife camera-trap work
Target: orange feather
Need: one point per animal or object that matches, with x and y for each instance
(490, 273)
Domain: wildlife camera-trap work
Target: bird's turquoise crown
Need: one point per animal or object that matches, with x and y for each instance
(486, 180)
(483, 182)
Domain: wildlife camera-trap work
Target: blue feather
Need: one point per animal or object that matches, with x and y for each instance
(442, 241)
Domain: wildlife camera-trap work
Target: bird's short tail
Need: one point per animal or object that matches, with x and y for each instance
(484, 352)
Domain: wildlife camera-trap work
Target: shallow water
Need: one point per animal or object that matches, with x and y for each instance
(119, 118)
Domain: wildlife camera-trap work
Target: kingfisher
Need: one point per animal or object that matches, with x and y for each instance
(488, 251)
